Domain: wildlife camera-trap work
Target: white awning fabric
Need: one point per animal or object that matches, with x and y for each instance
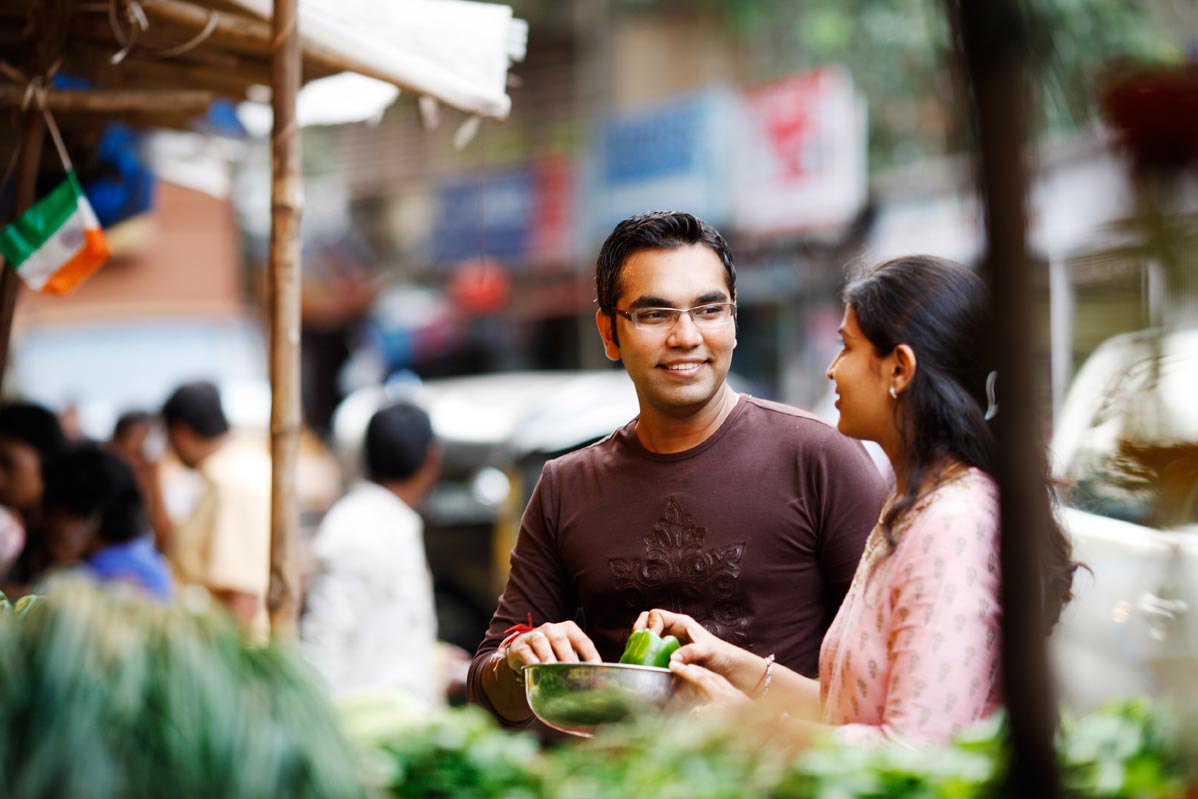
(453, 50)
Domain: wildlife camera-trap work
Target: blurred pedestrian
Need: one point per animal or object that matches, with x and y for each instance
(370, 620)
(223, 546)
(29, 435)
(95, 523)
(749, 515)
(137, 440)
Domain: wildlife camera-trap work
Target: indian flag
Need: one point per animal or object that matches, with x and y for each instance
(57, 243)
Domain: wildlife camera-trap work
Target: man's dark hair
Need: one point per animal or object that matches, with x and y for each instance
(197, 405)
(127, 421)
(654, 230)
(397, 442)
(32, 425)
(85, 480)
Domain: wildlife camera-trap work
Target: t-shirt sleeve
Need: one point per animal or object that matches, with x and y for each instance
(537, 585)
(943, 650)
(851, 492)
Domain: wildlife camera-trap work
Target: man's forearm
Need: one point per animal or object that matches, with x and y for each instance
(505, 695)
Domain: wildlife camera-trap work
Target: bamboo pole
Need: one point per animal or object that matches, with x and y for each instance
(114, 101)
(993, 44)
(284, 282)
(26, 189)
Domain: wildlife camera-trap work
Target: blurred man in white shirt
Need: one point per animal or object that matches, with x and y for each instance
(370, 621)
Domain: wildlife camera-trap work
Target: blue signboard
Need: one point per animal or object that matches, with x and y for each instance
(487, 215)
(671, 156)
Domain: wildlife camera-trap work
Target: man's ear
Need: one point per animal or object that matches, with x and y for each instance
(611, 348)
(904, 367)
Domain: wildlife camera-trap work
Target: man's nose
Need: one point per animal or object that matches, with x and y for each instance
(685, 333)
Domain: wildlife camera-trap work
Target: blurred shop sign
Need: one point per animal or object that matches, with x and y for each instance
(672, 156)
(483, 214)
(519, 216)
(800, 153)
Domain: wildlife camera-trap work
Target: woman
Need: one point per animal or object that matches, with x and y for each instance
(913, 652)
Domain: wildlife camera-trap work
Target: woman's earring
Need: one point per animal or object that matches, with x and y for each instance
(893, 393)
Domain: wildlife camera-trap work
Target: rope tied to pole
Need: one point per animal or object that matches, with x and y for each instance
(36, 90)
(139, 22)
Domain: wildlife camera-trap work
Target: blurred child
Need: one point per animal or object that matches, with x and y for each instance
(95, 521)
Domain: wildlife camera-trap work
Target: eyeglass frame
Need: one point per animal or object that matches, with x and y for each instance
(678, 312)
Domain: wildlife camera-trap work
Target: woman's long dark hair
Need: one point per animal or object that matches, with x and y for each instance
(941, 310)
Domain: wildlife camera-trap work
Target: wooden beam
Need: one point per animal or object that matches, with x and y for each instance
(114, 101)
(255, 36)
(284, 293)
(10, 284)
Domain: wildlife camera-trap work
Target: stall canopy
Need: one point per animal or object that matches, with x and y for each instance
(457, 52)
(161, 63)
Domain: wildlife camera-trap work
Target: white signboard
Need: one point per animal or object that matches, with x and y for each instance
(800, 159)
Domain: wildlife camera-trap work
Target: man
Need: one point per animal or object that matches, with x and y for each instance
(370, 620)
(29, 436)
(748, 515)
(223, 546)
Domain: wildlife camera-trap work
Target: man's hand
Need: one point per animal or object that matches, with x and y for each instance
(561, 642)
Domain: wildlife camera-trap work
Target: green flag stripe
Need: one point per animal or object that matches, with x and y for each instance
(22, 238)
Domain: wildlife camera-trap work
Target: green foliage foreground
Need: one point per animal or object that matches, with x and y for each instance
(107, 695)
(1118, 753)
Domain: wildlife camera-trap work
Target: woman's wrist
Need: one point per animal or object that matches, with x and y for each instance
(747, 671)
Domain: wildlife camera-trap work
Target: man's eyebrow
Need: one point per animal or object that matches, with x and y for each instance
(650, 302)
(661, 302)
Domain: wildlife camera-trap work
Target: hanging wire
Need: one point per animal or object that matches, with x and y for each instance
(482, 204)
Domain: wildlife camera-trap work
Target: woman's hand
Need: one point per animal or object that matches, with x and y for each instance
(702, 649)
(708, 688)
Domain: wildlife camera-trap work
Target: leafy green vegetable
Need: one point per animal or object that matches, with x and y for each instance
(104, 694)
(1127, 750)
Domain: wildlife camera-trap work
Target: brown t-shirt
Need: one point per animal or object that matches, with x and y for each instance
(756, 533)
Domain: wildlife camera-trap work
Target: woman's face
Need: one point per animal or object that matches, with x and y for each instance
(20, 476)
(863, 383)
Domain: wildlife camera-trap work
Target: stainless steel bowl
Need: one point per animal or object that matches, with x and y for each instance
(577, 697)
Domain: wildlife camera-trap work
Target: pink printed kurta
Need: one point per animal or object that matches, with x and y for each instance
(914, 651)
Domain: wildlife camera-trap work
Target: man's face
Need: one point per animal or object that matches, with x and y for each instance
(20, 476)
(182, 441)
(679, 370)
(68, 537)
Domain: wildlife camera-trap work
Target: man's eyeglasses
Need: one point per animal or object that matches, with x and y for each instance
(710, 316)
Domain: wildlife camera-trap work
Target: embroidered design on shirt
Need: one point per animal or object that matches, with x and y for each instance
(679, 573)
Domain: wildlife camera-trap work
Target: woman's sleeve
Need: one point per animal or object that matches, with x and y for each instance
(944, 644)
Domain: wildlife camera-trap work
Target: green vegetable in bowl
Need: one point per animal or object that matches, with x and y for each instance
(647, 648)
